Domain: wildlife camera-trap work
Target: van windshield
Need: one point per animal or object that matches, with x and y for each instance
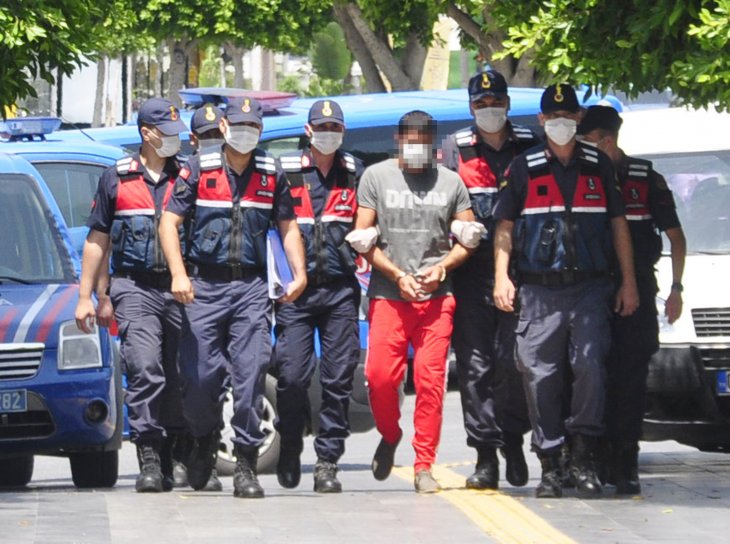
(701, 186)
(31, 247)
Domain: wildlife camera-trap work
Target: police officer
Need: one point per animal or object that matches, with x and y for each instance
(562, 200)
(323, 182)
(124, 218)
(483, 338)
(231, 196)
(205, 128)
(649, 209)
(204, 133)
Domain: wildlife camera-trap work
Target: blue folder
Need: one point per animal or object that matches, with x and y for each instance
(277, 266)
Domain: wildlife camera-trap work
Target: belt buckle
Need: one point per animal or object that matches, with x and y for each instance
(237, 271)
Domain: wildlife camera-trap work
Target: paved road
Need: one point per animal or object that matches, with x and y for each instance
(686, 499)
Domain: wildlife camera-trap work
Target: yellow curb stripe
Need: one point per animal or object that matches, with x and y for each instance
(499, 516)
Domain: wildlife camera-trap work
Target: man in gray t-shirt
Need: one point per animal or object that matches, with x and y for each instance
(412, 202)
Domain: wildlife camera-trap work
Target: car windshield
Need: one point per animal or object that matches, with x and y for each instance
(31, 246)
(701, 186)
(73, 186)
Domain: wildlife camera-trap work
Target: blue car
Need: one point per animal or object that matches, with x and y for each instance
(71, 170)
(60, 389)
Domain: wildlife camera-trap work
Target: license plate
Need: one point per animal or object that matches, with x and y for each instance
(13, 401)
(723, 382)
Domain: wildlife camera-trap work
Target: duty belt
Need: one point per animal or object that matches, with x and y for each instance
(158, 280)
(224, 273)
(562, 278)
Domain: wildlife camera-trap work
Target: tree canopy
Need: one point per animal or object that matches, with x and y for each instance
(631, 46)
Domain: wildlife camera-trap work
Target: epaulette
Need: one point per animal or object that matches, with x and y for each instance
(349, 163)
(264, 162)
(211, 161)
(291, 163)
(466, 138)
(639, 168)
(523, 133)
(126, 166)
(537, 160)
(588, 153)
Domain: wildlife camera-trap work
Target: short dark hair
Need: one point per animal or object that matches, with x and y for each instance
(417, 121)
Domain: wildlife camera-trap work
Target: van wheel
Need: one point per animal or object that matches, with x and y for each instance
(94, 469)
(269, 450)
(16, 471)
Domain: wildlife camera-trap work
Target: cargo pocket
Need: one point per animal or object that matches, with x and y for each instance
(548, 239)
(117, 236)
(141, 239)
(210, 239)
(520, 332)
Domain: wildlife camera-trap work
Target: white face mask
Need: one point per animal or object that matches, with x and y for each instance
(416, 156)
(242, 139)
(326, 142)
(170, 146)
(211, 143)
(560, 130)
(490, 119)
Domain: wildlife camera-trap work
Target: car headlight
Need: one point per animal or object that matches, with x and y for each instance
(77, 349)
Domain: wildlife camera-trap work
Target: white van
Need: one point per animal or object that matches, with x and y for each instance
(689, 378)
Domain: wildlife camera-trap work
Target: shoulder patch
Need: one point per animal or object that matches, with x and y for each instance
(184, 173)
(523, 133)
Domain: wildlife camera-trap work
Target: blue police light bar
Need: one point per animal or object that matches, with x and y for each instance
(20, 128)
(271, 101)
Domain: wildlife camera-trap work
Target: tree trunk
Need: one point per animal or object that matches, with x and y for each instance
(99, 98)
(178, 51)
(236, 54)
(470, 27)
(414, 59)
(373, 81)
(380, 51)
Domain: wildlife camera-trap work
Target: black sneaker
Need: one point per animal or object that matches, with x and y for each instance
(289, 469)
(214, 484)
(325, 477)
(551, 483)
(202, 460)
(245, 481)
(150, 478)
(383, 459)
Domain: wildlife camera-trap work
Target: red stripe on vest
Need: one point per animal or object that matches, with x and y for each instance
(341, 202)
(213, 185)
(589, 192)
(133, 194)
(543, 192)
(476, 173)
(260, 189)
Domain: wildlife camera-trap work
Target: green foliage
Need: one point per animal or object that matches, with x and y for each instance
(633, 46)
(330, 57)
(38, 37)
(320, 86)
(399, 18)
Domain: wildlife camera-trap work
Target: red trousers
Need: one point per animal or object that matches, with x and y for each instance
(427, 327)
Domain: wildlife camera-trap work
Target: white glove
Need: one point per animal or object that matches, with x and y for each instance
(468, 233)
(362, 240)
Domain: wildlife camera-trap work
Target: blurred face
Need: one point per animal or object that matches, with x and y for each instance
(415, 149)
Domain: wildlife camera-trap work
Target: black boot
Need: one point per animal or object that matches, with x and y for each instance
(325, 477)
(150, 474)
(166, 463)
(582, 467)
(486, 475)
(551, 483)
(181, 449)
(289, 468)
(202, 460)
(567, 481)
(516, 471)
(245, 482)
(626, 468)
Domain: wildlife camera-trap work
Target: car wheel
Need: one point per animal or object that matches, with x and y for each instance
(269, 450)
(16, 471)
(95, 469)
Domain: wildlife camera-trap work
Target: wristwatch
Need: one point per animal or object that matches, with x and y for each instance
(677, 286)
(400, 275)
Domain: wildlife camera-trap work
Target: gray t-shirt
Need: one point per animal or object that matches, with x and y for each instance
(414, 212)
